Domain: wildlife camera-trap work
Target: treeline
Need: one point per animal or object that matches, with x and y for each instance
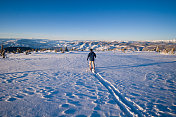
(17, 49)
(166, 49)
(59, 49)
(2, 52)
(28, 50)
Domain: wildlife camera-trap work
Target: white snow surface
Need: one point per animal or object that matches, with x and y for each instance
(48, 84)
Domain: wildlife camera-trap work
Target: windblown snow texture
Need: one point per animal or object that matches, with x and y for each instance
(57, 84)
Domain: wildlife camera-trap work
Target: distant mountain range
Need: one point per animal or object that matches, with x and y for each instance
(86, 45)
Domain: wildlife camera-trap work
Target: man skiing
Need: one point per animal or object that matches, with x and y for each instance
(91, 57)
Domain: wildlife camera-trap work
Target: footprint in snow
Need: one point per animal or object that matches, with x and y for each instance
(50, 94)
(19, 96)
(70, 111)
(81, 116)
(111, 102)
(10, 80)
(70, 95)
(28, 92)
(76, 103)
(23, 75)
(97, 107)
(10, 99)
(80, 83)
(81, 95)
(135, 94)
(65, 105)
(150, 76)
(95, 114)
(23, 80)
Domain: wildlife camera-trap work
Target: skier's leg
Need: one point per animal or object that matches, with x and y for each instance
(90, 65)
(93, 64)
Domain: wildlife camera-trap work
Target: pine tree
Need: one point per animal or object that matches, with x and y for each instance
(165, 51)
(3, 53)
(55, 51)
(173, 51)
(72, 49)
(36, 50)
(26, 52)
(17, 51)
(14, 51)
(123, 50)
(1, 49)
(66, 49)
(157, 49)
(61, 49)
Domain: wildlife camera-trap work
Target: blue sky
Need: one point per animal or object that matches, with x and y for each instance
(88, 19)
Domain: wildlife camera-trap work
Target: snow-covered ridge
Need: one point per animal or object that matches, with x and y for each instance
(86, 45)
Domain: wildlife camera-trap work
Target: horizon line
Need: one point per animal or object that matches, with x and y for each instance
(174, 39)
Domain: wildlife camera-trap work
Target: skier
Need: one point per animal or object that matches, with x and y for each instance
(3, 53)
(91, 57)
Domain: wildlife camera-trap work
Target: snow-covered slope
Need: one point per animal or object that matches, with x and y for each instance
(60, 84)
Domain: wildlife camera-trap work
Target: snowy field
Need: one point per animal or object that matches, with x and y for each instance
(60, 84)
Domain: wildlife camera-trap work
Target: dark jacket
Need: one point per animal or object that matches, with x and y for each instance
(91, 56)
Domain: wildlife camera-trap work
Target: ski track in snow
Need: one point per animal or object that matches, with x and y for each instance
(127, 106)
(50, 84)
